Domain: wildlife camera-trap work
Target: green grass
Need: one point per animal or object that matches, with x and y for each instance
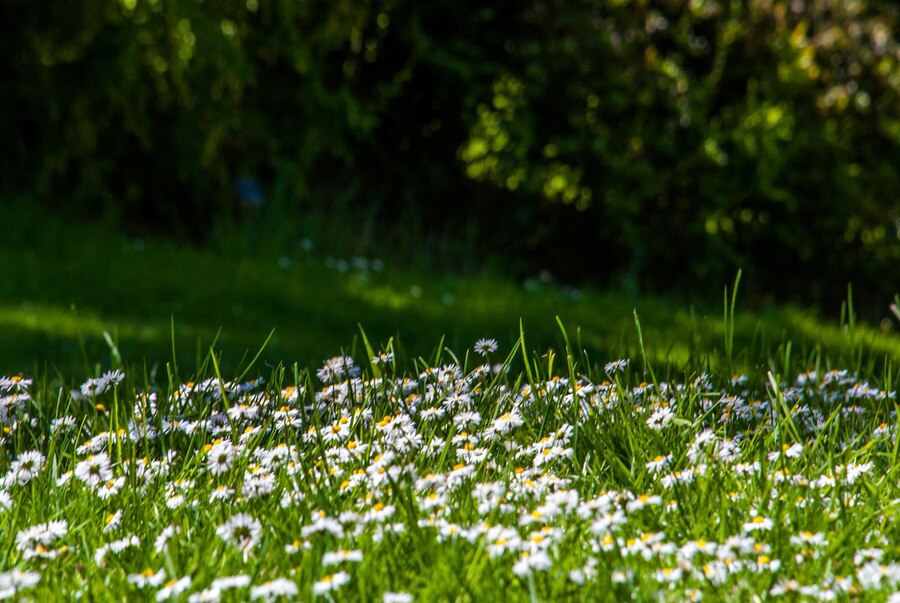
(62, 285)
(700, 487)
(666, 481)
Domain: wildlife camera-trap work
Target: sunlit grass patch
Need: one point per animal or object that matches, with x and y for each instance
(491, 473)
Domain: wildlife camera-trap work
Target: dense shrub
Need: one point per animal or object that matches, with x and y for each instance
(659, 143)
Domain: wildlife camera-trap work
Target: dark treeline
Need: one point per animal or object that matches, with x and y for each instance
(627, 142)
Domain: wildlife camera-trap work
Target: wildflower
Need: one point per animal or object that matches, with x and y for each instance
(95, 470)
(669, 575)
(35, 540)
(147, 578)
(529, 562)
(759, 523)
(231, 582)
(94, 387)
(280, 587)
(112, 521)
(13, 581)
(792, 452)
(809, 539)
(331, 582)
(658, 464)
(221, 493)
(16, 383)
(207, 595)
(390, 597)
(62, 424)
(164, 536)
(242, 530)
(660, 418)
(341, 556)
(25, 468)
(173, 588)
(642, 501)
(616, 366)
(258, 485)
(116, 546)
(220, 458)
(483, 347)
(337, 368)
(110, 487)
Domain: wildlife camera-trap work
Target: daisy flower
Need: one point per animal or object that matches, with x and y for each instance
(484, 347)
(331, 582)
(173, 588)
(280, 587)
(242, 530)
(334, 558)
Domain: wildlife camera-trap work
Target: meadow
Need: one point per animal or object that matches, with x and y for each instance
(490, 475)
(623, 450)
(161, 443)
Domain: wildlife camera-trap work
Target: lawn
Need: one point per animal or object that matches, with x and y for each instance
(64, 284)
(197, 425)
(365, 480)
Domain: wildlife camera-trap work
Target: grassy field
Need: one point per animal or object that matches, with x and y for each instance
(452, 480)
(62, 285)
(631, 449)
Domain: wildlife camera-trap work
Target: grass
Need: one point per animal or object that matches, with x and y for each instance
(730, 455)
(62, 285)
(450, 480)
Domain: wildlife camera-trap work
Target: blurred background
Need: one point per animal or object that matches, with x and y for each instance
(640, 149)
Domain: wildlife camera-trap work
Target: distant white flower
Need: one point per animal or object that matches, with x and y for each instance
(230, 582)
(173, 588)
(334, 558)
(658, 464)
(94, 470)
(280, 587)
(484, 347)
(113, 378)
(41, 535)
(337, 368)
(331, 583)
(112, 521)
(163, 539)
(397, 598)
(759, 523)
(110, 488)
(13, 581)
(116, 546)
(94, 387)
(221, 493)
(147, 578)
(62, 424)
(791, 452)
(529, 562)
(207, 595)
(616, 366)
(642, 501)
(242, 530)
(660, 418)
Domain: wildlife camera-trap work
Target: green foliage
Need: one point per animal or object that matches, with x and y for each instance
(678, 141)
